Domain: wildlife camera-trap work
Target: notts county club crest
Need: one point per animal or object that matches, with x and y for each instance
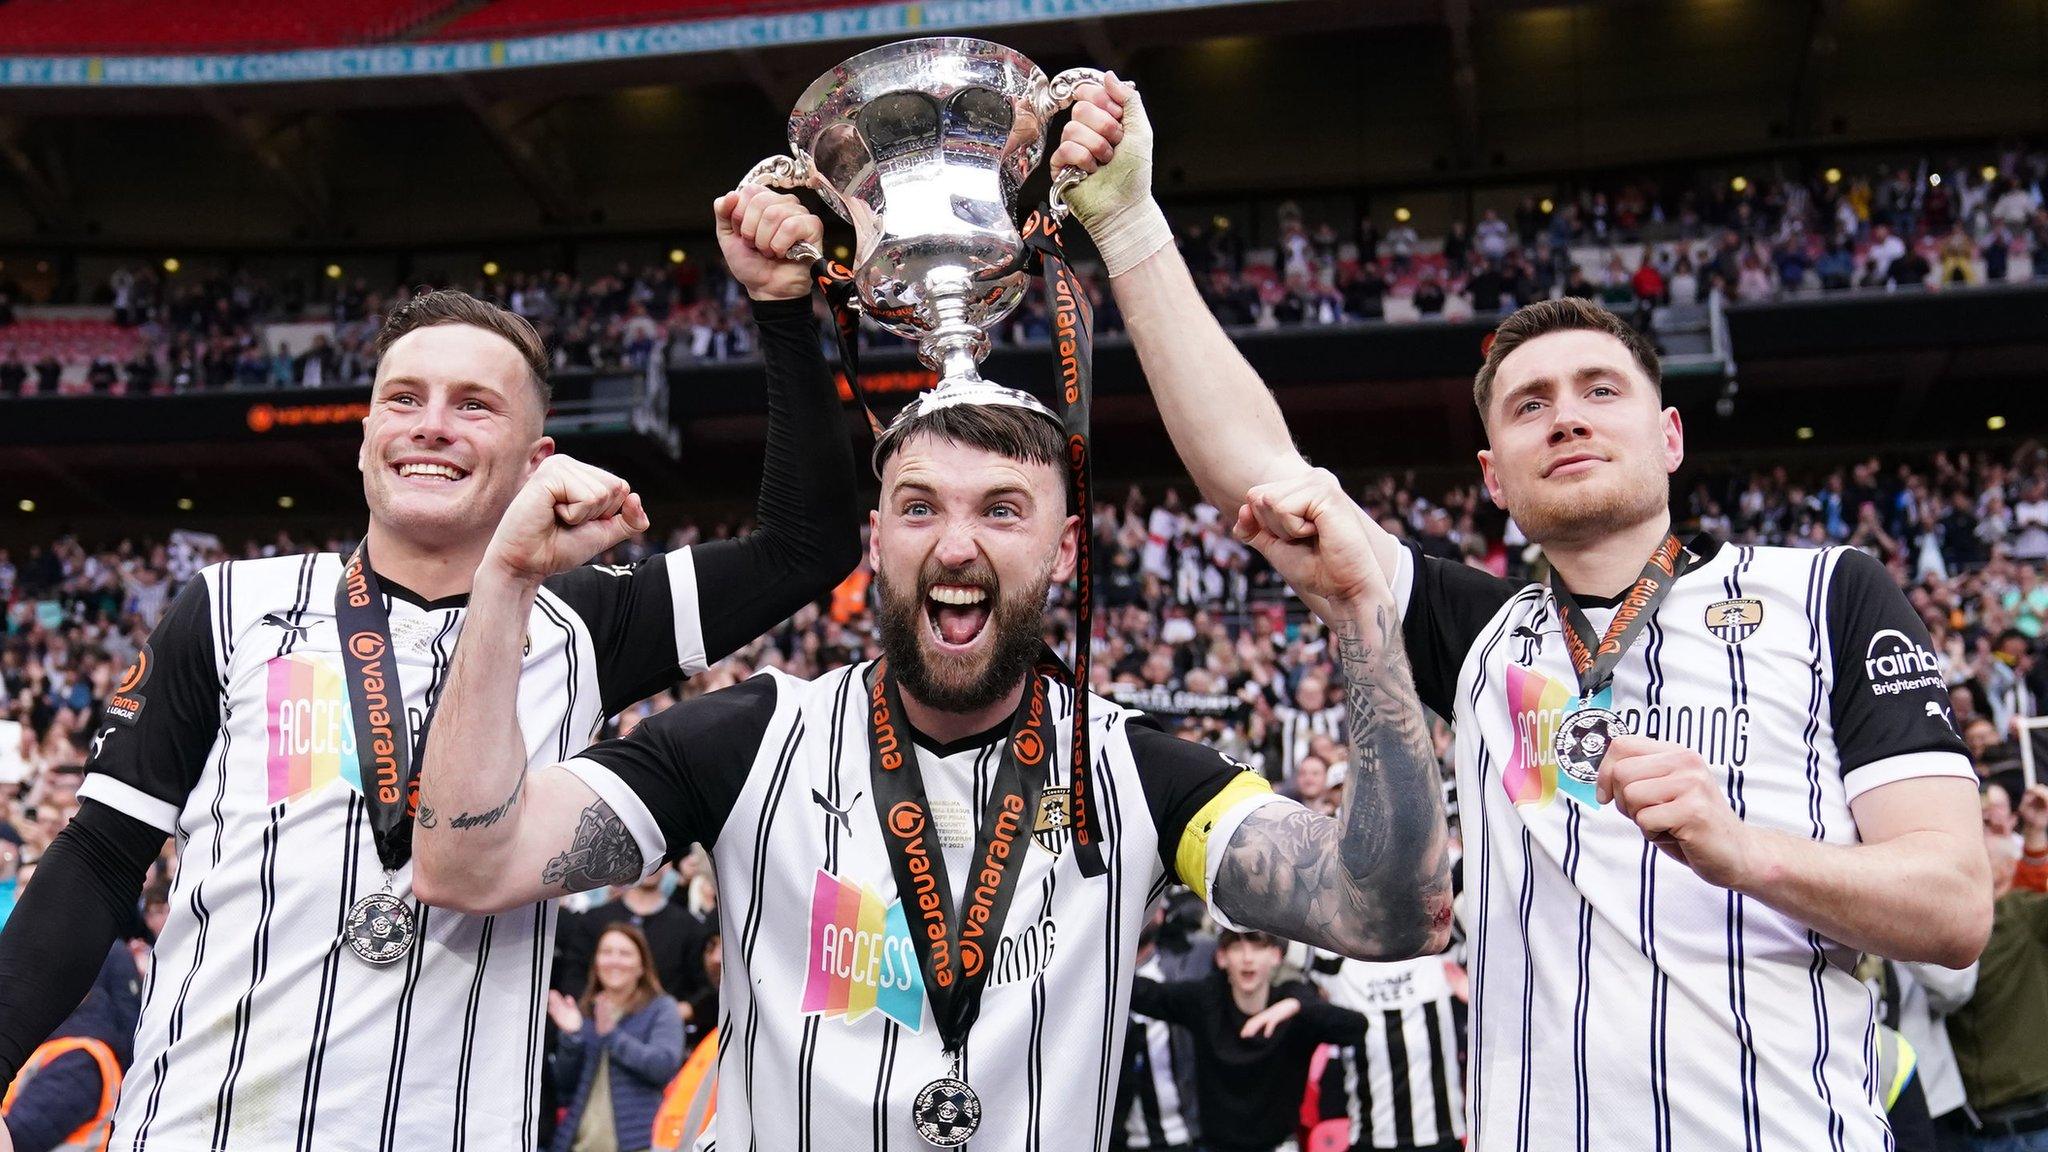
(1734, 620)
(1054, 818)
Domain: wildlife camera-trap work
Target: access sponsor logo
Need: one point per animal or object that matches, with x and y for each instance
(311, 736)
(1894, 662)
(862, 958)
(125, 702)
(1536, 706)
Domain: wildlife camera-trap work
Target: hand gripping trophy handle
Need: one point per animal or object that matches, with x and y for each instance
(787, 173)
(1059, 95)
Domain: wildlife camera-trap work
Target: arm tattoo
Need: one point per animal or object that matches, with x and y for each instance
(470, 820)
(1374, 882)
(603, 852)
(427, 819)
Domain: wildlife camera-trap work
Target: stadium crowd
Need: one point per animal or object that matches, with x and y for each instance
(1193, 628)
(1635, 245)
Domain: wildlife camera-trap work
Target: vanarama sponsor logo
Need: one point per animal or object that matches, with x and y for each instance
(862, 958)
(1894, 662)
(125, 703)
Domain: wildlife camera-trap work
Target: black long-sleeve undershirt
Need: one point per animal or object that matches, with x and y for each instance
(82, 897)
(808, 511)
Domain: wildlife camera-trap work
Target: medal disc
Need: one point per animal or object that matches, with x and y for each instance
(379, 928)
(946, 1112)
(1582, 741)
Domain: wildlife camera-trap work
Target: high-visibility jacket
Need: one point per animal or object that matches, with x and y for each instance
(91, 1136)
(690, 1101)
(1896, 1063)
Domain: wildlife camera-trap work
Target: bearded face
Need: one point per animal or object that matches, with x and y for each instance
(956, 639)
(965, 544)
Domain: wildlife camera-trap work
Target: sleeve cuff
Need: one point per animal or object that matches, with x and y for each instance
(625, 803)
(129, 800)
(1219, 842)
(1404, 581)
(1908, 766)
(688, 611)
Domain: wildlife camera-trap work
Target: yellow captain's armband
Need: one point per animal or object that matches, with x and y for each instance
(1191, 859)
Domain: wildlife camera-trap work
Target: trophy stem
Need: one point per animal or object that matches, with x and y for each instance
(955, 347)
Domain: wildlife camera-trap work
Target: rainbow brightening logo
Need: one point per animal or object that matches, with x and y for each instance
(862, 958)
(312, 737)
(1536, 706)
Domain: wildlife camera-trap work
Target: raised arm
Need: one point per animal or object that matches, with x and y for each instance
(1221, 417)
(489, 835)
(807, 514)
(1374, 881)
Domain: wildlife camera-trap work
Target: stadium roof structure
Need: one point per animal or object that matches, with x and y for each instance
(485, 121)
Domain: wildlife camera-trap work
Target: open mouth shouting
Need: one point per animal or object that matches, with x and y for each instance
(957, 614)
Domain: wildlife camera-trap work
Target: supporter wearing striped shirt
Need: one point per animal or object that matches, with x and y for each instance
(1664, 943)
(263, 1026)
(840, 808)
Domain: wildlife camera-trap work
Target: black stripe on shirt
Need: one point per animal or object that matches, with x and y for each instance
(762, 827)
(259, 964)
(1442, 1066)
(469, 1016)
(570, 677)
(1483, 774)
(1816, 597)
(1115, 951)
(401, 1034)
(330, 973)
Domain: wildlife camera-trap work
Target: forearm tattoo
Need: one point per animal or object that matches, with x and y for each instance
(1375, 881)
(603, 852)
(468, 820)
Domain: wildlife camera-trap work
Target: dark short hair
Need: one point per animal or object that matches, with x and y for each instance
(1562, 315)
(433, 307)
(1017, 433)
(1228, 936)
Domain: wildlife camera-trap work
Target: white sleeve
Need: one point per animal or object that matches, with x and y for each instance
(626, 804)
(682, 593)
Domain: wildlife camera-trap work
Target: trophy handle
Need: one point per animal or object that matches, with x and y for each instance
(787, 173)
(1057, 96)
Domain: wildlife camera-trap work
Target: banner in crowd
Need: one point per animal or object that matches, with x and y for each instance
(385, 61)
(1172, 704)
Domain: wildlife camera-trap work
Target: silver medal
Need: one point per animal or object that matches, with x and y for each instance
(379, 928)
(946, 1112)
(1582, 741)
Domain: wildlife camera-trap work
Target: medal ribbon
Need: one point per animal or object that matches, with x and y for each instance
(956, 951)
(376, 704)
(1595, 657)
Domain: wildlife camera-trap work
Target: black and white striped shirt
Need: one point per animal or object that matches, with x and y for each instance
(1619, 1001)
(259, 1028)
(1401, 1086)
(826, 1037)
(1298, 730)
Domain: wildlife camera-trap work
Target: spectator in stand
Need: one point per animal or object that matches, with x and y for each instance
(1429, 293)
(1401, 243)
(674, 937)
(620, 1045)
(1491, 237)
(1251, 1067)
(1958, 256)
(49, 374)
(1908, 271)
(13, 374)
(2001, 1048)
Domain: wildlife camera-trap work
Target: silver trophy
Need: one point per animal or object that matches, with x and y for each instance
(921, 146)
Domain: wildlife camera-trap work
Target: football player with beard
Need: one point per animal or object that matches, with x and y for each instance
(837, 809)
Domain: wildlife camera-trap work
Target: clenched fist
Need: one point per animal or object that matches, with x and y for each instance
(757, 227)
(568, 512)
(1315, 537)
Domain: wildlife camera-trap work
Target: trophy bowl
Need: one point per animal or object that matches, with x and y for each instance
(921, 145)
